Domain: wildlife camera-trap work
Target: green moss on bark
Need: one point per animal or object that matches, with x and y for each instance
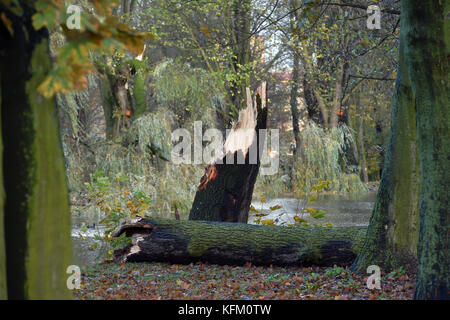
(49, 243)
(392, 233)
(139, 94)
(427, 34)
(237, 243)
(37, 217)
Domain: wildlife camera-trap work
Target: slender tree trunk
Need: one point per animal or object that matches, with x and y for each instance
(294, 107)
(337, 96)
(37, 218)
(307, 60)
(360, 140)
(241, 49)
(362, 151)
(427, 35)
(295, 83)
(109, 104)
(392, 234)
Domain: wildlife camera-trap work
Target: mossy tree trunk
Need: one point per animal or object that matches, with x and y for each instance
(362, 151)
(392, 233)
(236, 243)
(427, 34)
(37, 218)
(412, 205)
(123, 95)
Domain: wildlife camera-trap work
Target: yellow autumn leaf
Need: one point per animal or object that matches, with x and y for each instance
(268, 222)
(205, 30)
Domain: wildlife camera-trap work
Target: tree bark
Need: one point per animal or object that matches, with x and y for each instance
(295, 84)
(37, 217)
(427, 36)
(241, 49)
(236, 244)
(225, 191)
(337, 96)
(307, 60)
(392, 233)
(362, 151)
(3, 288)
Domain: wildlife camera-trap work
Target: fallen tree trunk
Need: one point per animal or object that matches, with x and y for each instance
(224, 243)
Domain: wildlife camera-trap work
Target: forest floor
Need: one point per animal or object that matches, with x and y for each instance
(161, 281)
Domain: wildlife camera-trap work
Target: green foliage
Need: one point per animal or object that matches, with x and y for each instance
(323, 159)
(272, 186)
(139, 92)
(115, 205)
(149, 135)
(192, 94)
(336, 271)
(395, 274)
(99, 31)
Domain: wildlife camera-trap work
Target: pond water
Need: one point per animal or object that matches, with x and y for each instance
(340, 211)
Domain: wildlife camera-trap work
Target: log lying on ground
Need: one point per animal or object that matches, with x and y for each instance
(184, 242)
(225, 191)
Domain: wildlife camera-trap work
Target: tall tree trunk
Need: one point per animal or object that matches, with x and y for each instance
(337, 96)
(362, 151)
(360, 140)
(295, 84)
(226, 190)
(241, 49)
(294, 106)
(37, 218)
(427, 35)
(3, 288)
(307, 60)
(392, 233)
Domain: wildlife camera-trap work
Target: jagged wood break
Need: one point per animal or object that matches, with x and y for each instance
(225, 190)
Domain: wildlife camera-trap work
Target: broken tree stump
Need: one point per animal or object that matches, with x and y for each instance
(184, 242)
(225, 190)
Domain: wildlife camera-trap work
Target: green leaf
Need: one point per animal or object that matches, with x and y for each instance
(318, 215)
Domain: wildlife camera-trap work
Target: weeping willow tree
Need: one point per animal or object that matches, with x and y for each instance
(323, 158)
(192, 94)
(176, 96)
